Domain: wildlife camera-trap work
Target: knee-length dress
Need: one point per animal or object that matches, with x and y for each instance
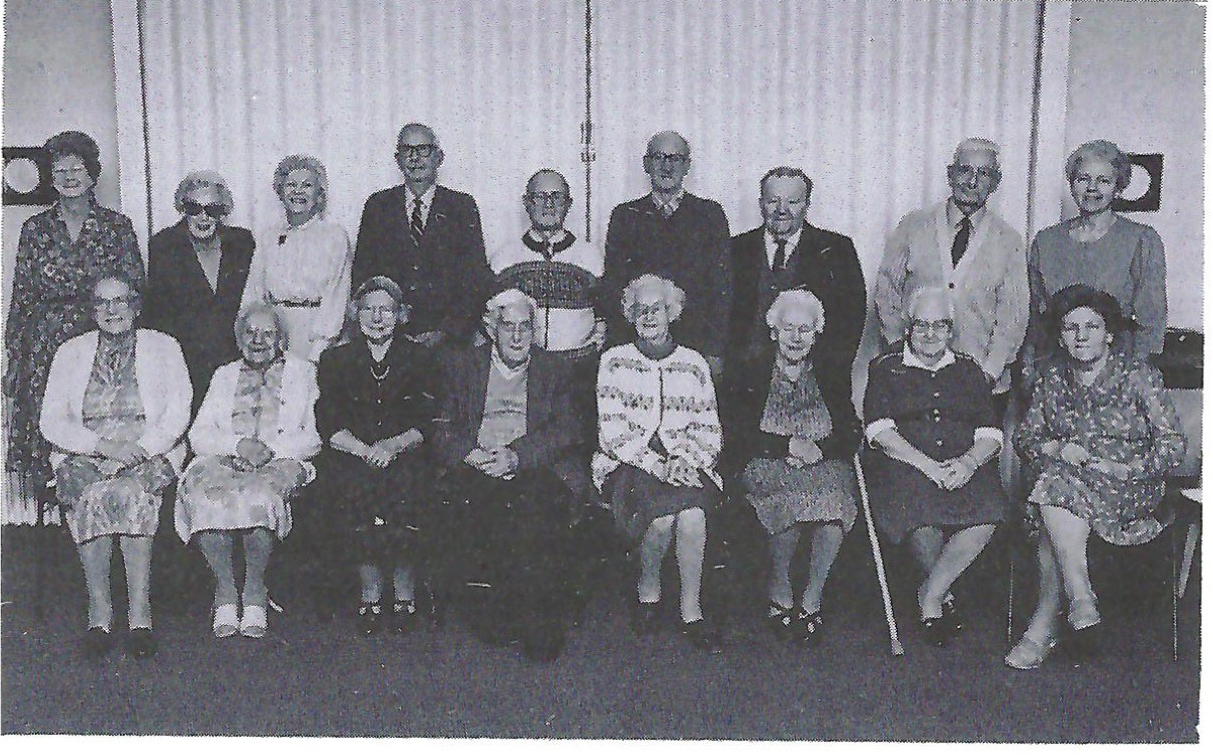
(50, 304)
(1125, 416)
(940, 410)
(375, 400)
(275, 405)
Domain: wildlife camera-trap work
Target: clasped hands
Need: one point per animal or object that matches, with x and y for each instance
(1074, 454)
(802, 452)
(953, 473)
(383, 452)
(679, 471)
(128, 454)
(496, 462)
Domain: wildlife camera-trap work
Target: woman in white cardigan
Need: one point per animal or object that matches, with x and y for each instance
(116, 407)
(658, 438)
(254, 435)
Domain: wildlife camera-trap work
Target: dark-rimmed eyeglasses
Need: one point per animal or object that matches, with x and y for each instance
(420, 150)
(216, 210)
(969, 172)
(670, 158)
(556, 199)
(927, 326)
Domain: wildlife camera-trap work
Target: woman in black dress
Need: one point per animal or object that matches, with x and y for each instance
(375, 414)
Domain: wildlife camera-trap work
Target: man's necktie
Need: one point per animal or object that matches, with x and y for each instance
(781, 255)
(961, 242)
(416, 225)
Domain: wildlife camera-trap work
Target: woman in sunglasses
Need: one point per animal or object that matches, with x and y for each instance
(197, 269)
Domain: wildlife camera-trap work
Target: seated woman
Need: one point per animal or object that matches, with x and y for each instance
(376, 408)
(659, 436)
(794, 442)
(1101, 434)
(929, 411)
(254, 435)
(116, 408)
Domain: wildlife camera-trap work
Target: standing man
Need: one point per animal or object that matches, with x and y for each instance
(788, 253)
(427, 239)
(963, 246)
(677, 236)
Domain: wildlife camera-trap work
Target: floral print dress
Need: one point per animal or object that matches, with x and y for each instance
(50, 304)
(1125, 416)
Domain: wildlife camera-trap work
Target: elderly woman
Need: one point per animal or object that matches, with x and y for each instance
(302, 267)
(794, 438)
(116, 408)
(1101, 434)
(1103, 250)
(376, 410)
(61, 253)
(659, 436)
(204, 262)
(930, 415)
(253, 438)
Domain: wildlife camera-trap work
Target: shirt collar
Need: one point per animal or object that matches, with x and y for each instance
(427, 197)
(672, 203)
(555, 238)
(505, 370)
(910, 360)
(793, 241)
(953, 214)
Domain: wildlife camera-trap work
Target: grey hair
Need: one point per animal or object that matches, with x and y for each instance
(421, 126)
(685, 143)
(370, 285)
(1101, 149)
(199, 180)
(295, 162)
(922, 293)
(979, 144)
(504, 299)
(284, 336)
(793, 299)
(673, 296)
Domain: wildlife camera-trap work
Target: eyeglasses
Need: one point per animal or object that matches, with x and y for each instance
(76, 170)
(968, 172)
(927, 326)
(216, 211)
(106, 303)
(670, 158)
(420, 150)
(556, 199)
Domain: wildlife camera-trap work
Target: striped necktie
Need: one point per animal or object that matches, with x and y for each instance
(416, 224)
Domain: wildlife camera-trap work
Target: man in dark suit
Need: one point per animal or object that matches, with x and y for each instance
(787, 253)
(427, 239)
(677, 236)
(504, 442)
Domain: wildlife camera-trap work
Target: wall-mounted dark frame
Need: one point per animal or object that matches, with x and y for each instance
(1151, 200)
(44, 192)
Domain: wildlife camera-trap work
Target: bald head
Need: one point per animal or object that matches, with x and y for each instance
(547, 180)
(667, 160)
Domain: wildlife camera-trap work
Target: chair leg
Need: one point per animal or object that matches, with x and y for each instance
(1189, 553)
(1010, 591)
(41, 530)
(1174, 595)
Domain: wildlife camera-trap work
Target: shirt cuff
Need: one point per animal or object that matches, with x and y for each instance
(991, 433)
(876, 427)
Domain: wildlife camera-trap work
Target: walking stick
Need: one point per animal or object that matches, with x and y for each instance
(894, 641)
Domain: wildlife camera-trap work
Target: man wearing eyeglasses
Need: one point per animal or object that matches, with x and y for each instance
(673, 234)
(963, 246)
(428, 239)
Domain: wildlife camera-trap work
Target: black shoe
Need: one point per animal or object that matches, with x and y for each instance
(97, 642)
(952, 615)
(937, 630)
(811, 628)
(404, 616)
(644, 618)
(782, 625)
(702, 636)
(370, 616)
(140, 643)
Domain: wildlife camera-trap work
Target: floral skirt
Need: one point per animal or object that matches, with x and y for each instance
(216, 494)
(782, 495)
(100, 498)
(1120, 512)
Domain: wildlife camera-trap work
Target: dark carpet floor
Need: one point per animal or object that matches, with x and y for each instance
(308, 678)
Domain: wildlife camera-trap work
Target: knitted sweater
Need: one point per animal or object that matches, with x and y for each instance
(671, 398)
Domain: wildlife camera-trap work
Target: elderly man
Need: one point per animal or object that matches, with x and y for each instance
(962, 245)
(503, 439)
(678, 236)
(428, 239)
(785, 253)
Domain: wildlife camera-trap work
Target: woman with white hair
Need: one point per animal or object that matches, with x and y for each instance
(793, 436)
(254, 435)
(196, 272)
(659, 438)
(933, 478)
(302, 267)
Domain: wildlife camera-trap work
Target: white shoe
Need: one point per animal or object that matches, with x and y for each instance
(253, 623)
(226, 623)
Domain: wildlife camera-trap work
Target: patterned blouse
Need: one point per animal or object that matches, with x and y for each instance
(51, 304)
(1125, 416)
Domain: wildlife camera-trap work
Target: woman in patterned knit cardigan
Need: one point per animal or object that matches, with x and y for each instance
(659, 437)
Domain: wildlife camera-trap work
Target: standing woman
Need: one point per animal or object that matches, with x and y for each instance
(1103, 250)
(376, 410)
(62, 252)
(196, 272)
(116, 409)
(302, 267)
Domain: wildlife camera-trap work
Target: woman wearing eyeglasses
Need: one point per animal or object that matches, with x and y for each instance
(934, 478)
(197, 270)
(302, 266)
(61, 252)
